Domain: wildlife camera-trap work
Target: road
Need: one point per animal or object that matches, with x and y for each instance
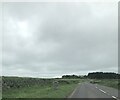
(88, 90)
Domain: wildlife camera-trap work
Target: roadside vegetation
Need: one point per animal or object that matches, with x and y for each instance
(0, 87)
(16, 87)
(114, 83)
(40, 92)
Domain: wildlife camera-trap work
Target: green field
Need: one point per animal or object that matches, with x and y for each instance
(40, 90)
(21, 87)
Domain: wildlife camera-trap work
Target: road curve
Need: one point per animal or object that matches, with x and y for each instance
(88, 90)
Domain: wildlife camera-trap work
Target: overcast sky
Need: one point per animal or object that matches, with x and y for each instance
(53, 39)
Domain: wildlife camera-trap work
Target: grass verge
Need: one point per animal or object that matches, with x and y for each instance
(40, 92)
(114, 83)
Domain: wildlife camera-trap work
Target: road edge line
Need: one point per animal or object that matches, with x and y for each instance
(70, 96)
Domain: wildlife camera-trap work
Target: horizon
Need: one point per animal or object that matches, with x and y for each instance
(56, 76)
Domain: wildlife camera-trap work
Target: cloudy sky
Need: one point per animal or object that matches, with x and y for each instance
(53, 39)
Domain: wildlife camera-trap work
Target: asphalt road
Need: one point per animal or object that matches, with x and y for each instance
(88, 90)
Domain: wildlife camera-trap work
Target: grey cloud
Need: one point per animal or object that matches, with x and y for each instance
(59, 38)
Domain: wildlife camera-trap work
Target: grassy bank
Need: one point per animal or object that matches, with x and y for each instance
(114, 83)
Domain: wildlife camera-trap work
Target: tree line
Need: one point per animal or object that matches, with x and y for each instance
(103, 75)
(94, 75)
(74, 76)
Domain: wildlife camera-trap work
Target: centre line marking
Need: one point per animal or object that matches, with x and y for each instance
(102, 91)
(114, 97)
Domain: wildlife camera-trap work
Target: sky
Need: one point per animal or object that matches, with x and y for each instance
(1, 39)
(51, 39)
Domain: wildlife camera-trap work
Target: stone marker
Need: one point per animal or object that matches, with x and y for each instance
(55, 85)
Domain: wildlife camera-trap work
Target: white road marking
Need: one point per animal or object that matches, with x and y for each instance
(102, 91)
(114, 97)
(73, 92)
(108, 94)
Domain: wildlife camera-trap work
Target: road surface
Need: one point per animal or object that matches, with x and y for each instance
(88, 90)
